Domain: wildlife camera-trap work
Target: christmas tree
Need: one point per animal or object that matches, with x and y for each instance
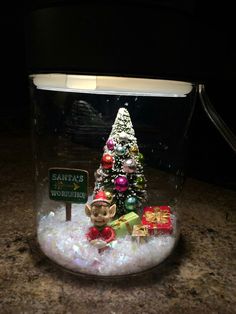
(121, 174)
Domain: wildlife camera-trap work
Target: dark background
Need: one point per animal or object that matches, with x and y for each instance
(210, 157)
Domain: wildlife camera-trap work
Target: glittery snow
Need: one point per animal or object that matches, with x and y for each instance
(65, 243)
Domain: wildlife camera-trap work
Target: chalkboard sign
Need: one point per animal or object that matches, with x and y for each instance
(68, 185)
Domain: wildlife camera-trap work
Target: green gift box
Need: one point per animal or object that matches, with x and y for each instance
(124, 224)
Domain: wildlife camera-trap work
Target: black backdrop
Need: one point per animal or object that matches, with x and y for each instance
(210, 158)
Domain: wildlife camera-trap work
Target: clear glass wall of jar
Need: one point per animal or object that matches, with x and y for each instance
(110, 156)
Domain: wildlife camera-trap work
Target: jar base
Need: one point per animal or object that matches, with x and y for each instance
(65, 243)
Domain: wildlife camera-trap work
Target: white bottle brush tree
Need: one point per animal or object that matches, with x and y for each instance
(121, 174)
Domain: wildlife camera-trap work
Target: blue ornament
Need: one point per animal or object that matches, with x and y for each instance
(131, 203)
(120, 150)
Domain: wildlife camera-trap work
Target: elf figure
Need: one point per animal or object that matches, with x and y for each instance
(100, 212)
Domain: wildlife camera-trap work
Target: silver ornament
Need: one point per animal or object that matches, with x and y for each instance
(120, 150)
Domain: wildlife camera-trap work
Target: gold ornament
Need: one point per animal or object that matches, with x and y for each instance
(133, 150)
(109, 195)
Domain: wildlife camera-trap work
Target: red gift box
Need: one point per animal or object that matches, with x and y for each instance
(157, 219)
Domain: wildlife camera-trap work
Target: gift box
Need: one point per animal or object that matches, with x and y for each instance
(124, 225)
(157, 219)
(140, 233)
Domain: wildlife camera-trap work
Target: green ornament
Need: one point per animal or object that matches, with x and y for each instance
(140, 182)
(131, 202)
(140, 157)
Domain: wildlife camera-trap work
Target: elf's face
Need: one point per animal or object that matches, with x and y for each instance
(100, 213)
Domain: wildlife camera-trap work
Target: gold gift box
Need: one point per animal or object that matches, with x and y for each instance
(140, 233)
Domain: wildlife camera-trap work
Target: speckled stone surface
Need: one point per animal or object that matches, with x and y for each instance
(200, 277)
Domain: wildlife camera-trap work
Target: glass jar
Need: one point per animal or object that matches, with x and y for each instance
(110, 157)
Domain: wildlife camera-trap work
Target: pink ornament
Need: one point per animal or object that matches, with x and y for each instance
(129, 165)
(110, 144)
(121, 184)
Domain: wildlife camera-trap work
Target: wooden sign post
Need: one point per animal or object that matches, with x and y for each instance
(68, 185)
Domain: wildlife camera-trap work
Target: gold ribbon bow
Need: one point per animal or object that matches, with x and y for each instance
(118, 222)
(158, 216)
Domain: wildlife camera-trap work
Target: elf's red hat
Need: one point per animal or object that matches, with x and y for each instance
(100, 197)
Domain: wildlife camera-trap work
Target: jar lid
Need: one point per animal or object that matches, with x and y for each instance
(112, 85)
(154, 39)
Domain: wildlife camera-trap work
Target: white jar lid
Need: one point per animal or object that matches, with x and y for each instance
(112, 85)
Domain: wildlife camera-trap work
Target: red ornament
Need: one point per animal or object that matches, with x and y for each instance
(93, 233)
(108, 234)
(107, 161)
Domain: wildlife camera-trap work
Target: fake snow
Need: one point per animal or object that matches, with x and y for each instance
(65, 243)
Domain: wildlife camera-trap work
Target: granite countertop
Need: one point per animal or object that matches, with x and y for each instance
(200, 276)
